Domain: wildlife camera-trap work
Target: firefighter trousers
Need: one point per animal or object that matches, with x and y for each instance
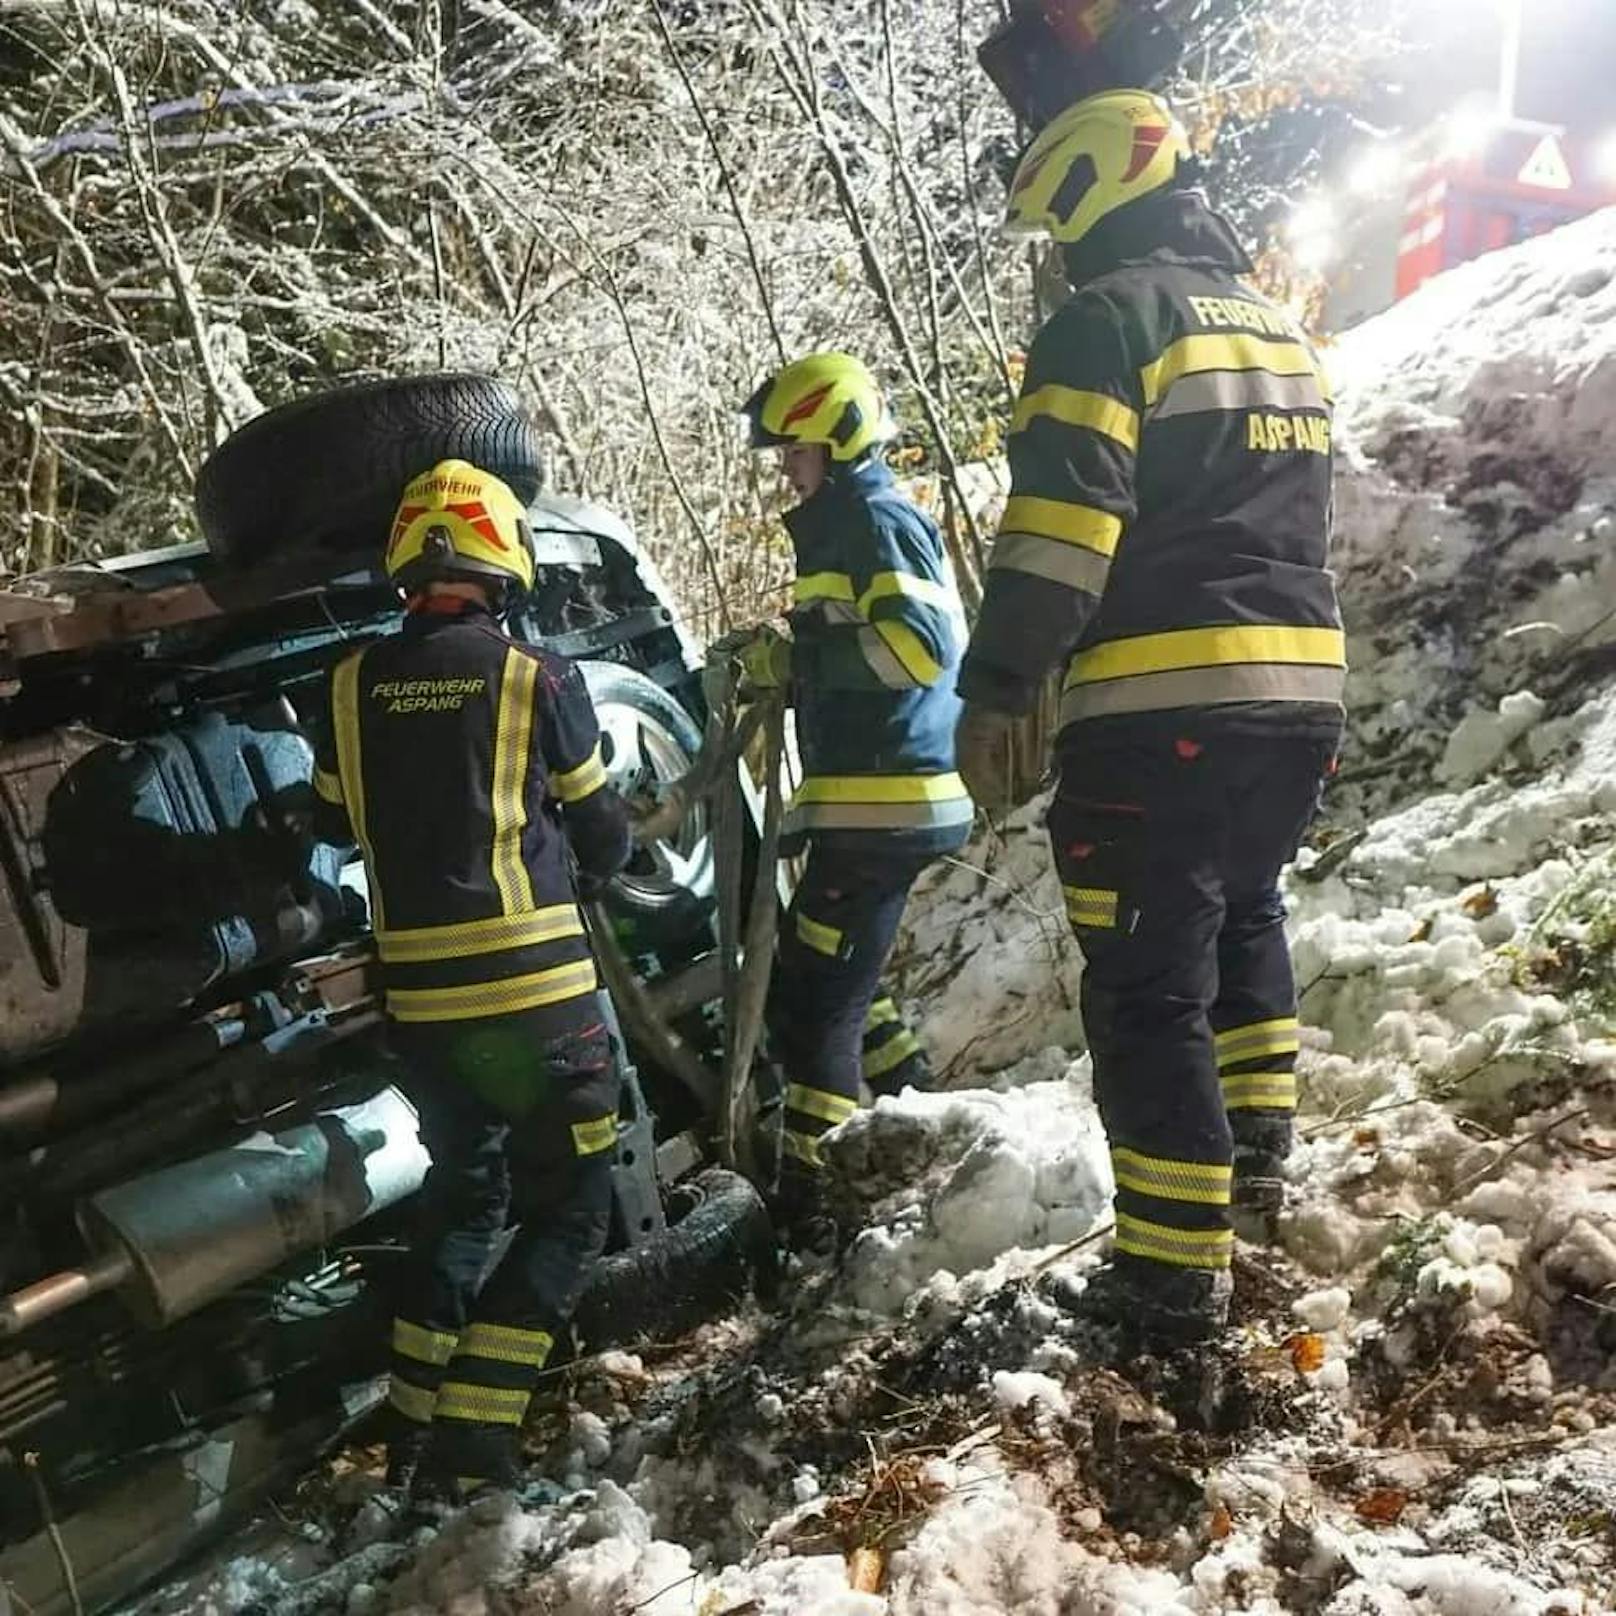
(829, 1023)
(519, 1121)
(1169, 841)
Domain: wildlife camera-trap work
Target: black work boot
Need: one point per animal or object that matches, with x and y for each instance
(466, 1457)
(913, 1073)
(1259, 1180)
(1156, 1306)
(802, 1214)
(407, 1443)
(1261, 1144)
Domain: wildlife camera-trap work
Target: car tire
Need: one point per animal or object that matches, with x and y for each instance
(324, 474)
(649, 738)
(676, 1280)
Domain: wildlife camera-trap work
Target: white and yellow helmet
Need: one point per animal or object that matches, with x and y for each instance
(828, 398)
(456, 521)
(1099, 155)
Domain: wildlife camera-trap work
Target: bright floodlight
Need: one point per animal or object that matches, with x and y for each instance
(1374, 170)
(1309, 219)
(1469, 128)
(1605, 159)
(1317, 252)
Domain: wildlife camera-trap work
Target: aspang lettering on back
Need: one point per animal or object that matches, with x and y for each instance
(426, 695)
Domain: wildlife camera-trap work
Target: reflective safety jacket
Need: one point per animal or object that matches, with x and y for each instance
(877, 630)
(451, 755)
(1170, 507)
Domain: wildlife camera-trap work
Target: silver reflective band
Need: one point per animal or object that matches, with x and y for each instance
(1204, 687)
(1239, 390)
(1074, 565)
(830, 611)
(883, 661)
(880, 815)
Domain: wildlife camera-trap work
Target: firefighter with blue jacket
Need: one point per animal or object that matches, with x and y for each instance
(1166, 538)
(876, 635)
(467, 766)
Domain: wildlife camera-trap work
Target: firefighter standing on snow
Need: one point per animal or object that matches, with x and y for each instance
(1166, 538)
(463, 764)
(871, 669)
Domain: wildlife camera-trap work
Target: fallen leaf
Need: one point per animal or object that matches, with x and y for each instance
(1422, 932)
(1365, 1137)
(1481, 904)
(1221, 1524)
(1307, 1352)
(865, 1569)
(1384, 1506)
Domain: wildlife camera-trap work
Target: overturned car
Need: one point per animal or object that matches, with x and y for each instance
(205, 1159)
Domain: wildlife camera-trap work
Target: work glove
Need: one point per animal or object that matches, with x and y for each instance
(985, 755)
(765, 660)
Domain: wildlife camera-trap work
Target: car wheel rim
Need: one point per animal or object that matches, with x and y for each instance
(642, 753)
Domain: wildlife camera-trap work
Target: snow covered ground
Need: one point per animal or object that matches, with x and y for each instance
(1416, 1414)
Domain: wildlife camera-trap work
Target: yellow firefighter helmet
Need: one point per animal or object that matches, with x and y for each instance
(1099, 155)
(828, 398)
(456, 521)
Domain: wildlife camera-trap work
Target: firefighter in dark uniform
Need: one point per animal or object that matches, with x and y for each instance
(876, 629)
(464, 765)
(1166, 538)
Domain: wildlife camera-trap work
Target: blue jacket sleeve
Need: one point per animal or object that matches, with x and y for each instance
(896, 628)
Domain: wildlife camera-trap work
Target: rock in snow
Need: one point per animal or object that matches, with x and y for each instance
(1448, 1249)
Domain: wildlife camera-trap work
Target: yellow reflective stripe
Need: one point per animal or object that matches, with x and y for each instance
(501, 998)
(1278, 356)
(1184, 1248)
(894, 1052)
(590, 1138)
(1208, 648)
(423, 944)
(504, 1343)
(881, 1012)
(458, 1400)
(513, 740)
(819, 1103)
(328, 787)
(803, 1147)
(1203, 1183)
(906, 646)
(1091, 906)
(1058, 519)
(1259, 1091)
(881, 788)
(910, 586)
(573, 785)
(823, 586)
(818, 936)
(345, 720)
(424, 1345)
(413, 1402)
(1072, 406)
(1276, 1037)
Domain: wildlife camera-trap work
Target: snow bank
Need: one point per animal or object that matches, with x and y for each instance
(986, 957)
(1476, 483)
(960, 1182)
